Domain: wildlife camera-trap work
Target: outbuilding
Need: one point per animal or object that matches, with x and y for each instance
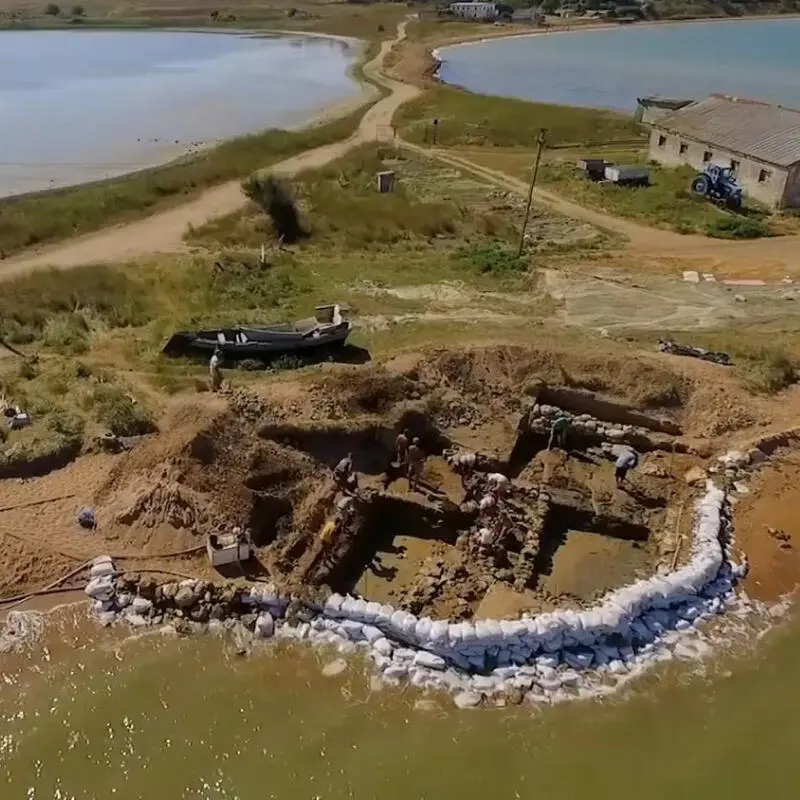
(759, 141)
(477, 11)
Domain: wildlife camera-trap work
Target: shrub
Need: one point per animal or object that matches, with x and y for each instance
(78, 11)
(52, 10)
(120, 414)
(767, 371)
(493, 258)
(737, 228)
(66, 425)
(275, 200)
(67, 333)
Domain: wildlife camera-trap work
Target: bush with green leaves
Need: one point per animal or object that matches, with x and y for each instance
(120, 414)
(52, 10)
(737, 228)
(276, 201)
(495, 258)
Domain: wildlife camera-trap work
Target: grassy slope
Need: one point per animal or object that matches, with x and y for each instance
(467, 119)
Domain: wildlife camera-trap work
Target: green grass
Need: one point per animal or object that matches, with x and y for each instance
(467, 119)
(51, 216)
(341, 208)
(665, 203)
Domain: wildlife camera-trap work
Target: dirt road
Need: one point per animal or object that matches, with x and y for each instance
(163, 232)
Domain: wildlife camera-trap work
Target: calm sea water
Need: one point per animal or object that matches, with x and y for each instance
(78, 106)
(610, 68)
(164, 718)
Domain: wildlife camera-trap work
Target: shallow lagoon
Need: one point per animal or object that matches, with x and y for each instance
(87, 105)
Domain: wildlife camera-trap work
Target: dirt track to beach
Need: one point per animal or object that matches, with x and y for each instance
(163, 232)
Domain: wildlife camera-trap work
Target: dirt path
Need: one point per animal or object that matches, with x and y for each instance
(781, 251)
(163, 232)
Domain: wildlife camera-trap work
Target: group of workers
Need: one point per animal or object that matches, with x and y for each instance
(408, 459)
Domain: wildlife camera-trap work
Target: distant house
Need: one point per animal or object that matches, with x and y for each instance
(759, 141)
(477, 11)
(530, 15)
(651, 109)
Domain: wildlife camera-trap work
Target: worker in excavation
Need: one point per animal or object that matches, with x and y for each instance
(214, 369)
(416, 462)
(626, 461)
(498, 484)
(401, 447)
(328, 533)
(559, 432)
(343, 473)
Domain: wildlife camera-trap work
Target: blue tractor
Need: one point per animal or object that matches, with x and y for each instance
(719, 184)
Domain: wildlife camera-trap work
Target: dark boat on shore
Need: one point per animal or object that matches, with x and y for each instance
(327, 328)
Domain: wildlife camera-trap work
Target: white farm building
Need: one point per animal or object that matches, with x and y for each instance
(478, 11)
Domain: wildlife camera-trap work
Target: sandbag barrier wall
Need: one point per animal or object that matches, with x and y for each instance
(548, 650)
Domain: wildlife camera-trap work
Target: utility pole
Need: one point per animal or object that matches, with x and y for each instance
(540, 139)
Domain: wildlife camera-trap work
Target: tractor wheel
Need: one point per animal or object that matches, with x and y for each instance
(734, 203)
(701, 185)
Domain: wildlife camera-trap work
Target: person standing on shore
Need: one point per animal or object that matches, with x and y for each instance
(214, 369)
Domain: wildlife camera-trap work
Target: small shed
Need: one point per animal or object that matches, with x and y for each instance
(593, 168)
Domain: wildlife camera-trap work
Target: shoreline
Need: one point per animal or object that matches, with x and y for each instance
(607, 26)
(364, 93)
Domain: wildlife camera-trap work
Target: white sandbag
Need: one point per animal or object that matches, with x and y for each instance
(439, 632)
(101, 588)
(333, 604)
(409, 625)
(371, 611)
(383, 647)
(550, 684)
(422, 630)
(484, 683)
(265, 625)
(468, 632)
(353, 630)
(494, 630)
(102, 606)
(141, 605)
(396, 671)
(396, 621)
(371, 633)
(358, 609)
(429, 660)
(99, 570)
(454, 633)
(515, 628)
(482, 631)
(123, 599)
(347, 606)
(550, 661)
